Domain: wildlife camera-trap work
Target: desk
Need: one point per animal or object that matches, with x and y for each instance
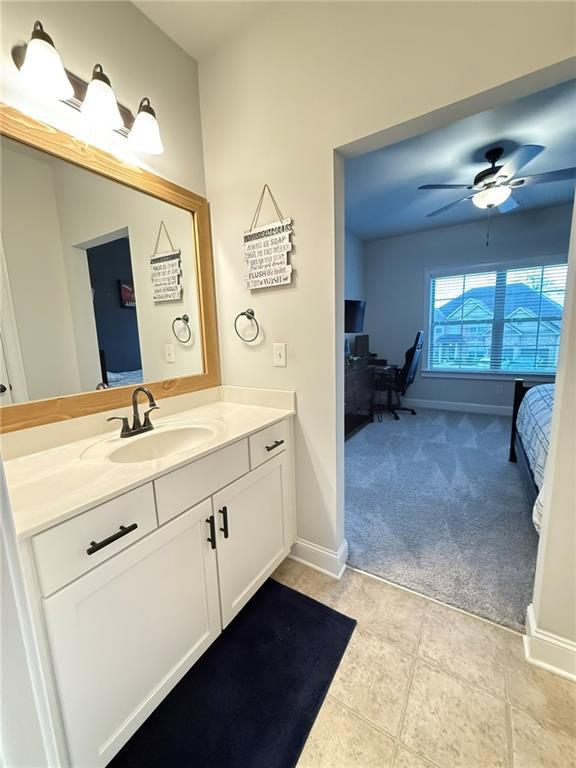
(358, 395)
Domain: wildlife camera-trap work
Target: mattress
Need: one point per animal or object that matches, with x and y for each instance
(533, 427)
(122, 378)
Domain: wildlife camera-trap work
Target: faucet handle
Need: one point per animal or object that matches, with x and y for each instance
(147, 423)
(125, 426)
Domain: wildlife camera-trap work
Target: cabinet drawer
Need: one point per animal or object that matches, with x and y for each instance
(181, 489)
(267, 443)
(61, 553)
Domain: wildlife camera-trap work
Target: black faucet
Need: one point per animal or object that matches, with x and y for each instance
(137, 426)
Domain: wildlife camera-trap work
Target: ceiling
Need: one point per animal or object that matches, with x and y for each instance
(382, 195)
(198, 27)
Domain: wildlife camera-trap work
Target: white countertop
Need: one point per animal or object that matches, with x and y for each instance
(49, 487)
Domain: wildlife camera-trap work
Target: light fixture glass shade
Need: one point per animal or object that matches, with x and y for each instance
(144, 135)
(100, 106)
(491, 196)
(43, 70)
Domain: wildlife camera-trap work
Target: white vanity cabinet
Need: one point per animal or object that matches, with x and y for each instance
(122, 635)
(126, 622)
(252, 535)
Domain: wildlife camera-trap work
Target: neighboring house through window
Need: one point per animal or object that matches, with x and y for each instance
(501, 320)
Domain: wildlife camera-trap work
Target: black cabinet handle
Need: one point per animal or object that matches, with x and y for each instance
(274, 445)
(212, 537)
(224, 513)
(124, 530)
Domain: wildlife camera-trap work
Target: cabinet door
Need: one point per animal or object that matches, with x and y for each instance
(124, 634)
(256, 510)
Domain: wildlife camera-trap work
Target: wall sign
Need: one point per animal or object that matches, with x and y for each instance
(166, 270)
(266, 249)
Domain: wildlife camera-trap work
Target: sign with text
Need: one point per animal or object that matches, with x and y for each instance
(266, 252)
(166, 272)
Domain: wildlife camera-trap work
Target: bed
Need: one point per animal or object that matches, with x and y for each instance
(530, 438)
(123, 378)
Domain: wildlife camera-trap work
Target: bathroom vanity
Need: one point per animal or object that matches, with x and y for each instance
(140, 551)
(132, 552)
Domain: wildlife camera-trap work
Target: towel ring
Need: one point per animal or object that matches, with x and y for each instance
(249, 313)
(186, 320)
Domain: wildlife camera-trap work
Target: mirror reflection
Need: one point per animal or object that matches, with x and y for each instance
(96, 280)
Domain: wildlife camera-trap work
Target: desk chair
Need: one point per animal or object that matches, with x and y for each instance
(395, 381)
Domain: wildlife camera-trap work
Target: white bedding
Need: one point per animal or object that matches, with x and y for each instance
(533, 427)
(122, 378)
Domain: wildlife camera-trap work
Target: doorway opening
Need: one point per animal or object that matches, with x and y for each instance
(459, 300)
(114, 301)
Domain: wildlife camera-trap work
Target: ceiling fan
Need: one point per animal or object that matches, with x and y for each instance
(492, 187)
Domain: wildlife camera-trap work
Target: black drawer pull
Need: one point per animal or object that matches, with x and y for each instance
(212, 537)
(224, 513)
(274, 445)
(124, 530)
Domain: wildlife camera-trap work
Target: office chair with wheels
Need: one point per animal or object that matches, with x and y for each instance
(395, 381)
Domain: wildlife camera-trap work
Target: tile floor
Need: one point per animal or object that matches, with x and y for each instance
(425, 686)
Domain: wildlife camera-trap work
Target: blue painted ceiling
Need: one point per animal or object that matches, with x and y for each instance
(382, 195)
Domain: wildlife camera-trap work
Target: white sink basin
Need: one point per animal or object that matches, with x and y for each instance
(160, 444)
(164, 441)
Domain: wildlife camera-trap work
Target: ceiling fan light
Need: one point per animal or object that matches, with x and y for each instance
(43, 70)
(491, 196)
(144, 135)
(100, 106)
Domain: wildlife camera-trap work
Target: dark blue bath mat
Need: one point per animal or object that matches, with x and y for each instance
(252, 699)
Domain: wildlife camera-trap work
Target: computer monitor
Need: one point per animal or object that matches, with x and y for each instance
(354, 316)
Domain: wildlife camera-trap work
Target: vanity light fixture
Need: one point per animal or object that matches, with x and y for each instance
(144, 135)
(100, 106)
(491, 196)
(43, 69)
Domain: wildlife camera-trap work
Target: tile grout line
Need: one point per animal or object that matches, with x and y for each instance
(509, 732)
(411, 676)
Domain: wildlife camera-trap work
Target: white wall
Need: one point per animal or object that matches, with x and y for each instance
(353, 267)
(37, 276)
(20, 737)
(552, 637)
(141, 61)
(302, 80)
(395, 277)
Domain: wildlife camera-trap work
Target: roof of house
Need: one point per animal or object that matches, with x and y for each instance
(517, 295)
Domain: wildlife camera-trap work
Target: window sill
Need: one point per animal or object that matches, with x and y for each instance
(488, 375)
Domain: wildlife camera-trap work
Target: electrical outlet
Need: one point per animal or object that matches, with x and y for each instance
(279, 355)
(169, 353)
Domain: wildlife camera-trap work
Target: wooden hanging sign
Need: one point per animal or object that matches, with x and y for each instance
(266, 250)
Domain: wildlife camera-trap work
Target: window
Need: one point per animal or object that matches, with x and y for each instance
(504, 320)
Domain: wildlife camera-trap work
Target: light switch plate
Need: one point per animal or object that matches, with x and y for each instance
(169, 353)
(279, 355)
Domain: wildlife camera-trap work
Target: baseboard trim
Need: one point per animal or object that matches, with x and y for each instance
(324, 560)
(448, 405)
(547, 650)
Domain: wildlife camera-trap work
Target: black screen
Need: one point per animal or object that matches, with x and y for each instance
(354, 316)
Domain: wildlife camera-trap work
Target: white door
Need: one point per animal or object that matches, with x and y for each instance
(252, 533)
(5, 387)
(125, 633)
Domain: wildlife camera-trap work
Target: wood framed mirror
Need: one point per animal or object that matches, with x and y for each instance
(107, 280)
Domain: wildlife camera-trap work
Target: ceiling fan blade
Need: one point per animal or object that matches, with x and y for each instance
(565, 174)
(451, 205)
(519, 159)
(444, 186)
(507, 205)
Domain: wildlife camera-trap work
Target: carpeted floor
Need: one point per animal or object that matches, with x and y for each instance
(433, 504)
